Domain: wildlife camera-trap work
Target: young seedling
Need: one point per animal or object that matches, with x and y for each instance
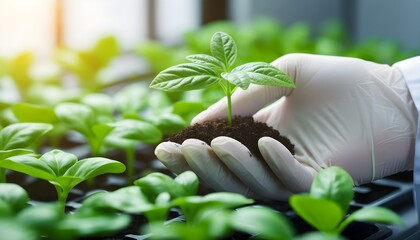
(85, 120)
(61, 169)
(17, 139)
(25, 112)
(88, 64)
(331, 193)
(206, 70)
(127, 134)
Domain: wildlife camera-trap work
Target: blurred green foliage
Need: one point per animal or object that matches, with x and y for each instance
(266, 40)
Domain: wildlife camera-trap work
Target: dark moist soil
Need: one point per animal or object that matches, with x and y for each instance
(244, 129)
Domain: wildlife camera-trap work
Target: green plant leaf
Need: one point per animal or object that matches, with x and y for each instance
(92, 167)
(192, 206)
(100, 132)
(228, 199)
(106, 49)
(325, 217)
(188, 109)
(184, 77)
(128, 199)
(94, 223)
(189, 182)
(260, 73)
(43, 217)
(169, 123)
(265, 222)
(319, 236)
(334, 184)
(155, 183)
(14, 197)
(14, 152)
(372, 214)
(223, 47)
(100, 103)
(175, 230)
(240, 79)
(158, 212)
(76, 116)
(22, 135)
(137, 130)
(58, 161)
(29, 165)
(216, 223)
(12, 229)
(26, 112)
(208, 61)
(130, 99)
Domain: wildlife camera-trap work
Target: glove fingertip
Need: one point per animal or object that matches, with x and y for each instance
(169, 153)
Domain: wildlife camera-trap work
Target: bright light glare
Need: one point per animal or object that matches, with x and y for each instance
(27, 25)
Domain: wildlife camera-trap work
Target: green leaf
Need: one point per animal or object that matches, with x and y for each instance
(323, 214)
(265, 222)
(101, 131)
(216, 223)
(155, 183)
(240, 79)
(334, 184)
(223, 47)
(187, 109)
(372, 214)
(170, 123)
(11, 229)
(58, 161)
(192, 206)
(94, 223)
(189, 182)
(29, 165)
(260, 73)
(14, 197)
(137, 130)
(184, 77)
(106, 49)
(43, 217)
(128, 199)
(207, 61)
(22, 135)
(131, 99)
(26, 112)
(100, 103)
(318, 236)
(92, 167)
(14, 152)
(217, 199)
(176, 230)
(76, 116)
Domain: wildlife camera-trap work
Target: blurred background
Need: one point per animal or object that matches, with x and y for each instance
(95, 43)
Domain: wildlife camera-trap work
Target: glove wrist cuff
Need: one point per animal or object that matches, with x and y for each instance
(410, 68)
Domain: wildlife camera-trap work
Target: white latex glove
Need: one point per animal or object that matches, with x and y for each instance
(346, 112)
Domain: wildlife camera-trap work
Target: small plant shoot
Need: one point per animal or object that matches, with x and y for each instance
(63, 170)
(331, 192)
(219, 67)
(18, 138)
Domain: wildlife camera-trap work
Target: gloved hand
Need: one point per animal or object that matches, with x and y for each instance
(344, 111)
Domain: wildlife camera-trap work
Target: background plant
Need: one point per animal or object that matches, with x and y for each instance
(21, 220)
(87, 64)
(331, 192)
(206, 70)
(19, 138)
(61, 169)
